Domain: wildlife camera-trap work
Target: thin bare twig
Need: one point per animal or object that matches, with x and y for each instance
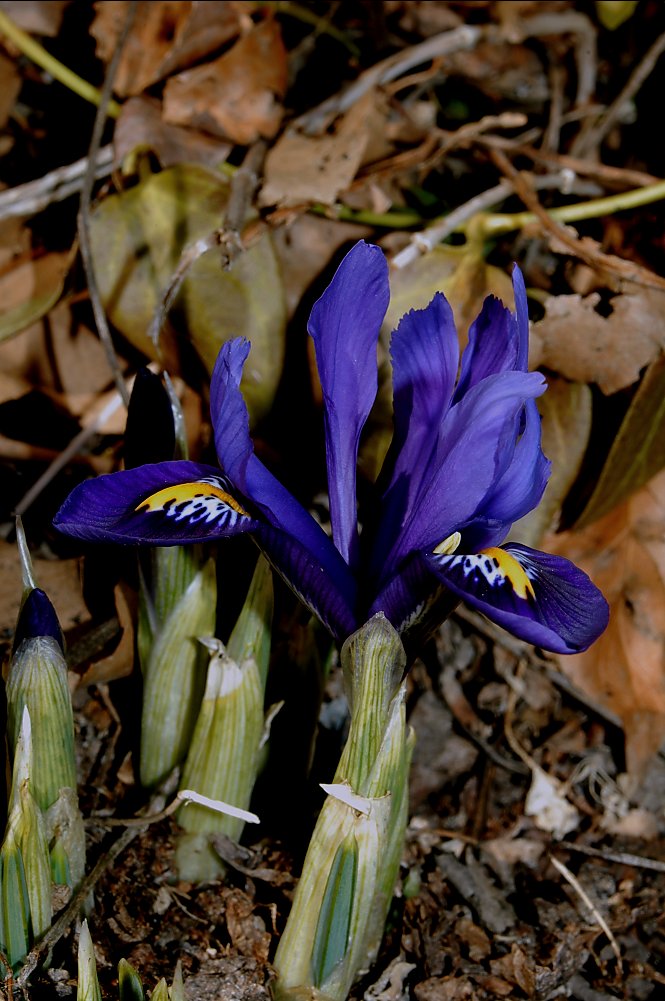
(583, 249)
(33, 197)
(422, 243)
(588, 141)
(465, 37)
(73, 908)
(605, 174)
(623, 858)
(228, 236)
(84, 210)
(586, 899)
(575, 23)
(74, 447)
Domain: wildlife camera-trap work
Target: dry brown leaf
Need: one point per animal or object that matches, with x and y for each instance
(40, 17)
(120, 662)
(237, 96)
(141, 126)
(60, 579)
(10, 85)
(624, 553)
(166, 36)
(578, 342)
(302, 168)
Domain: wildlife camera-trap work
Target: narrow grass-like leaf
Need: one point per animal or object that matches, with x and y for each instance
(161, 991)
(27, 826)
(37, 678)
(331, 939)
(14, 901)
(129, 983)
(174, 677)
(88, 985)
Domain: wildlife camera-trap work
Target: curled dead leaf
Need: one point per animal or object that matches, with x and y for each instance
(624, 670)
(165, 37)
(237, 96)
(140, 126)
(301, 168)
(577, 341)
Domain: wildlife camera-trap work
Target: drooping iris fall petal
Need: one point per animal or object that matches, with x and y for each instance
(541, 598)
(164, 504)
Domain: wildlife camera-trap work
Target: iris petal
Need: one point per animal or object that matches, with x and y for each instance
(251, 478)
(475, 446)
(164, 504)
(516, 492)
(425, 354)
(328, 597)
(498, 339)
(344, 325)
(541, 598)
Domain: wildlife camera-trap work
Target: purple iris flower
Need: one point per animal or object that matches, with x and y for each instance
(465, 463)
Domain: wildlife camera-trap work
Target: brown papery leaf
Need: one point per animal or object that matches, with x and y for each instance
(141, 126)
(575, 340)
(166, 36)
(237, 96)
(39, 17)
(624, 670)
(302, 168)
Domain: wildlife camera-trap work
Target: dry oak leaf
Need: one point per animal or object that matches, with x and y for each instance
(140, 126)
(624, 670)
(237, 96)
(301, 168)
(166, 36)
(584, 346)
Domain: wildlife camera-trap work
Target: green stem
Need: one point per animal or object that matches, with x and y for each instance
(497, 223)
(38, 54)
(365, 217)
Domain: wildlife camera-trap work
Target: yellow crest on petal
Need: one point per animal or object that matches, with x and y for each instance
(511, 570)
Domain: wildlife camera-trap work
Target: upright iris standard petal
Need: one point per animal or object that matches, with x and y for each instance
(517, 491)
(344, 325)
(544, 599)
(425, 354)
(165, 504)
(253, 481)
(475, 446)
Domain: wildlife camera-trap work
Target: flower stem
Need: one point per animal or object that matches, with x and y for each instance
(502, 222)
(38, 54)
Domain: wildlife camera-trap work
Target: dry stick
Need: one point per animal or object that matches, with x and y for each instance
(422, 243)
(589, 141)
(552, 134)
(465, 37)
(243, 185)
(604, 174)
(585, 251)
(584, 896)
(577, 24)
(75, 445)
(73, 908)
(31, 198)
(623, 858)
(437, 145)
(84, 210)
